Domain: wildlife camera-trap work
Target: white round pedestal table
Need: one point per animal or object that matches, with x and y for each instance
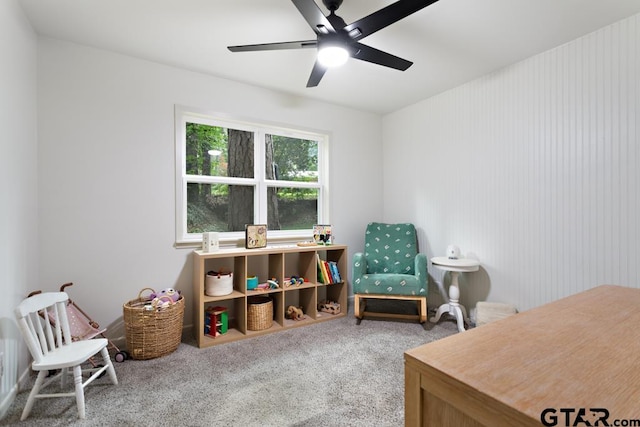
(453, 306)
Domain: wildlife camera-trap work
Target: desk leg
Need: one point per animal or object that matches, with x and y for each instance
(412, 397)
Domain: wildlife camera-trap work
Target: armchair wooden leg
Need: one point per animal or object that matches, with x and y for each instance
(422, 309)
(358, 307)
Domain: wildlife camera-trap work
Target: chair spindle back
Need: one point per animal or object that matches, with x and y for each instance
(42, 335)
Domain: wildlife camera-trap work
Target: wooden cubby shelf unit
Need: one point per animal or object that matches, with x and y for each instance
(277, 262)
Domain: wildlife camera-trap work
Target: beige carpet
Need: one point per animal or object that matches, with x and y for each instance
(328, 374)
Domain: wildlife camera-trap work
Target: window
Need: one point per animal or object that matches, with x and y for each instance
(231, 173)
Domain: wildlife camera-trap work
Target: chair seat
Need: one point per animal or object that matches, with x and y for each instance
(70, 355)
(394, 284)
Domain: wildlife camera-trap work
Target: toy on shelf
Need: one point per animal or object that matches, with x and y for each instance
(216, 321)
(269, 284)
(330, 307)
(293, 280)
(252, 283)
(295, 313)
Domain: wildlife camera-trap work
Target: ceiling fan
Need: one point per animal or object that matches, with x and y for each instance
(335, 37)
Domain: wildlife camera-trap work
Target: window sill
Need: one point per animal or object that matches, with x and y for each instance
(229, 243)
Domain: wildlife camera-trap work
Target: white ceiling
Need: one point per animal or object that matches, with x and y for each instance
(450, 42)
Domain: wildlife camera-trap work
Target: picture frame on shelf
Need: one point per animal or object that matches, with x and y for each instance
(255, 236)
(322, 234)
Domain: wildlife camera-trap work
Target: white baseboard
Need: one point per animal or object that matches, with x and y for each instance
(11, 395)
(7, 401)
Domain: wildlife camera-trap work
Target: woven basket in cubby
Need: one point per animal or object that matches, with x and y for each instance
(259, 313)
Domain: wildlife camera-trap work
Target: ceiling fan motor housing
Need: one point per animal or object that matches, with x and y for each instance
(332, 5)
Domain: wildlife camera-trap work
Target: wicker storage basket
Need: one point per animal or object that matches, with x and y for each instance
(259, 314)
(152, 331)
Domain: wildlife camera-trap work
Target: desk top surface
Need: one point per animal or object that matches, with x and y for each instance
(581, 351)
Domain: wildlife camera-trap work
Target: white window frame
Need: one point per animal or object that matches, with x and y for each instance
(184, 115)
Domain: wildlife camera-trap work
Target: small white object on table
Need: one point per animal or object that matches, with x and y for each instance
(453, 306)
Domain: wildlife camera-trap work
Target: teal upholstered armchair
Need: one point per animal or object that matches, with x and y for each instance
(390, 268)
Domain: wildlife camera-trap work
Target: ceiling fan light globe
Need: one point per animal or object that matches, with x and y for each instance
(332, 56)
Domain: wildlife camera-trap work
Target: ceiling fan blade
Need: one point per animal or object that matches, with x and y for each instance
(385, 17)
(373, 55)
(316, 74)
(274, 46)
(314, 16)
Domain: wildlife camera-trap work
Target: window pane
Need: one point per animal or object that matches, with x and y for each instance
(217, 151)
(291, 159)
(218, 207)
(292, 208)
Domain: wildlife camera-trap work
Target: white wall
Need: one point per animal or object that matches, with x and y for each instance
(18, 191)
(532, 168)
(106, 171)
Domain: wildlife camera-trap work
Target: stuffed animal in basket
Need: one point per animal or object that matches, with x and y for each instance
(295, 313)
(166, 292)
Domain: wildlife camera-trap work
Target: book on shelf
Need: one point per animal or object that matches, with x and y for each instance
(328, 271)
(334, 271)
(321, 273)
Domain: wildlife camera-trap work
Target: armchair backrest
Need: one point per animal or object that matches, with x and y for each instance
(390, 248)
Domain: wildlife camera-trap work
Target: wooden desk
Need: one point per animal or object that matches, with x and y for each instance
(582, 351)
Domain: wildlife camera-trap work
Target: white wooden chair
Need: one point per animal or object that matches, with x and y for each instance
(52, 348)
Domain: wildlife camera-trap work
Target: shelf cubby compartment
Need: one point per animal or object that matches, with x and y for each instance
(304, 298)
(296, 264)
(277, 298)
(266, 267)
(236, 314)
(331, 293)
(277, 301)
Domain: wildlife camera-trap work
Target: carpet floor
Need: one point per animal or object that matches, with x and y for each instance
(334, 373)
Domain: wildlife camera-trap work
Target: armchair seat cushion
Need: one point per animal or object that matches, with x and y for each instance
(393, 284)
